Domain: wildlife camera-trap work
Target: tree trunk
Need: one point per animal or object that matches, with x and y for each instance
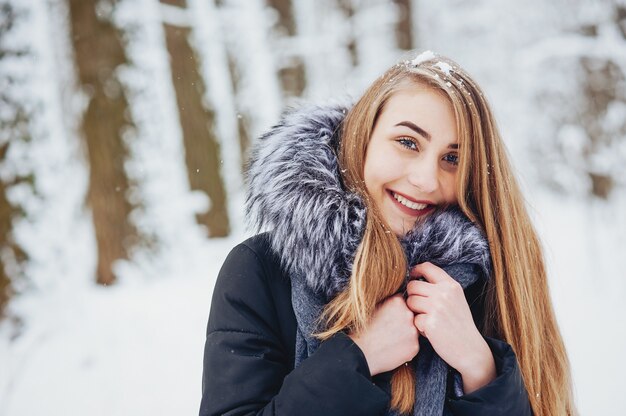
(291, 73)
(252, 61)
(404, 26)
(14, 127)
(202, 151)
(8, 213)
(347, 7)
(243, 120)
(601, 83)
(99, 52)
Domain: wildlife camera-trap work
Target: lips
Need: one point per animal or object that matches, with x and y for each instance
(409, 206)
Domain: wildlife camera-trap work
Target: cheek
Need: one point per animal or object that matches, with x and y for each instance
(367, 176)
(450, 188)
(372, 171)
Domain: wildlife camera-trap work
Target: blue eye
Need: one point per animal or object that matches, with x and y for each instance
(408, 143)
(452, 158)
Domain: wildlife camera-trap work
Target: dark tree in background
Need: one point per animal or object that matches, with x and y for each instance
(202, 151)
(243, 119)
(582, 147)
(292, 73)
(602, 85)
(14, 121)
(99, 52)
(404, 26)
(347, 8)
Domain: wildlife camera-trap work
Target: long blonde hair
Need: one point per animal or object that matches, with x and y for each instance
(518, 308)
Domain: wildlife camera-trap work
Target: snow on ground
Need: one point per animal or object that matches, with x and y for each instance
(131, 349)
(136, 348)
(585, 245)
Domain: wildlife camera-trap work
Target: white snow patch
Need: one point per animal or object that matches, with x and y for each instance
(174, 15)
(445, 67)
(423, 57)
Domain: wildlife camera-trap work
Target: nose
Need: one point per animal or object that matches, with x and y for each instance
(424, 175)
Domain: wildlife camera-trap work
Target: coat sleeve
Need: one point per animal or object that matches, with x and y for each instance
(505, 395)
(248, 370)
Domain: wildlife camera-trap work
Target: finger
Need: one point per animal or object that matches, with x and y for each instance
(418, 304)
(430, 272)
(420, 324)
(418, 287)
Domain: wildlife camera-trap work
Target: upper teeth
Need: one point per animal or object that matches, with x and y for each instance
(407, 203)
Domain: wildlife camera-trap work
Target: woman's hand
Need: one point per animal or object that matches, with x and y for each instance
(390, 338)
(444, 317)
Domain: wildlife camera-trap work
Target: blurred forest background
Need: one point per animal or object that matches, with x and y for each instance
(123, 135)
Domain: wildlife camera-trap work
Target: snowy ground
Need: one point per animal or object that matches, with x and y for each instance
(136, 349)
(585, 246)
(132, 349)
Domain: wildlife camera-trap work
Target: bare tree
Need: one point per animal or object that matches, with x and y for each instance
(258, 96)
(14, 120)
(404, 25)
(292, 74)
(581, 147)
(602, 87)
(202, 150)
(99, 52)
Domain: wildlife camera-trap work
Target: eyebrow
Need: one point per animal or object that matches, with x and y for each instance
(417, 129)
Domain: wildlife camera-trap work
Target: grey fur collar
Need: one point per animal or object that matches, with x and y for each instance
(295, 190)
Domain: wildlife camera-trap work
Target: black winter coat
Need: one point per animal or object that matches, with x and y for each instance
(249, 354)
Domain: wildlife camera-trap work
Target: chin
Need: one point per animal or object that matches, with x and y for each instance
(402, 228)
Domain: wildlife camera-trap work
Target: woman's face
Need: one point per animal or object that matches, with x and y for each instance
(411, 159)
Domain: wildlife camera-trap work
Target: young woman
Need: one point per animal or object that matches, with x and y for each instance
(399, 273)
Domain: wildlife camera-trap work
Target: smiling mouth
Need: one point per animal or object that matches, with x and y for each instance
(410, 207)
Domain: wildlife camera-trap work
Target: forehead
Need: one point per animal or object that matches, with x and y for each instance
(416, 98)
(430, 109)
